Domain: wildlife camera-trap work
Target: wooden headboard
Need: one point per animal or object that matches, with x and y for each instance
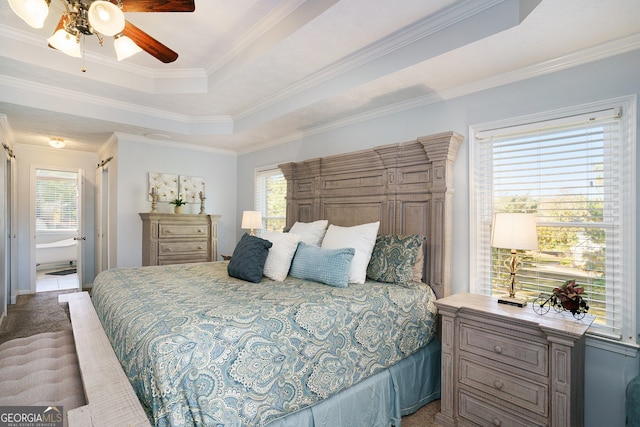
(406, 186)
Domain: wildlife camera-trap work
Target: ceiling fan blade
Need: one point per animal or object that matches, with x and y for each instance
(147, 43)
(158, 5)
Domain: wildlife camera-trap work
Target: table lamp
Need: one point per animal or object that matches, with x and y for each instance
(251, 220)
(514, 231)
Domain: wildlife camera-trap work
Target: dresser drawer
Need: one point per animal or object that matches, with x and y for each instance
(484, 413)
(512, 351)
(183, 259)
(182, 230)
(504, 386)
(194, 247)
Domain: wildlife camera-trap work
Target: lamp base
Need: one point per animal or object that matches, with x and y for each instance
(518, 302)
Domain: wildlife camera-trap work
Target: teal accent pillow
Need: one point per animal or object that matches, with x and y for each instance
(249, 256)
(328, 266)
(393, 258)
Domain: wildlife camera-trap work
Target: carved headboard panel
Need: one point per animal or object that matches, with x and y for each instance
(406, 186)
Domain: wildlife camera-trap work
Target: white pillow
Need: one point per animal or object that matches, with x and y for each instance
(310, 232)
(278, 262)
(360, 237)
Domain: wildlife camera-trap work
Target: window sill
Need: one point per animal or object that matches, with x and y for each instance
(629, 349)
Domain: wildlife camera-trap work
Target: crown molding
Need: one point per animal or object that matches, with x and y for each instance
(6, 133)
(419, 30)
(49, 97)
(124, 137)
(253, 35)
(108, 144)
(603, 51)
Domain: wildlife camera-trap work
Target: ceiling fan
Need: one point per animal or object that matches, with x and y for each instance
(102, 18)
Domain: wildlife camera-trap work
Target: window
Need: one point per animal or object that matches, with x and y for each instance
(271, 201)
(56, 200)
(575, 170)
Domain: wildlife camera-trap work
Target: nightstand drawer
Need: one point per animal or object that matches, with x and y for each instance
(481, 412)
(528, 355)
(519, 391)
(194, 247)
(178, 231)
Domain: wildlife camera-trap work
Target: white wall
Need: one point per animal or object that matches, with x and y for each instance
(136, 157)
(607, 371)
(28, 156)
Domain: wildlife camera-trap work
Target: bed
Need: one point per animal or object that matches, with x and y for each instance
(202, 348)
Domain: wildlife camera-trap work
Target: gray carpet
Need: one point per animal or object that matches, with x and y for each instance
(43, 369)
(34, 314)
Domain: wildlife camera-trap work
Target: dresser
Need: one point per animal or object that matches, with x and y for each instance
(179, 238)
(508, 366)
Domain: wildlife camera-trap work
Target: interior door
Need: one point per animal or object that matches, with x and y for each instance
(57, 219)
(81, 237)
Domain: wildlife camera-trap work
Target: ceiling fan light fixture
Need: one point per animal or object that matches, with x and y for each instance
(125, 47)
(66, 43)
(33, 12)
(106, 18)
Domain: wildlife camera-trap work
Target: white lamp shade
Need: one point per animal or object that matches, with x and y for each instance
(33, 12)
(65, 42)
(125, 47)
(106, 18)
(514, 231)
(252, 220)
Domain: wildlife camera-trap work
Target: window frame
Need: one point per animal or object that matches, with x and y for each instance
(479, 247)
(259, 199)
(76, 207)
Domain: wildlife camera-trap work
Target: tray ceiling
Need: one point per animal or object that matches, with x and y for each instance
(255, 73)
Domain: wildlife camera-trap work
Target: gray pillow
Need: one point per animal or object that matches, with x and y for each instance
(249, 256)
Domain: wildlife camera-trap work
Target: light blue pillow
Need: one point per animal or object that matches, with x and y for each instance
(328, 266)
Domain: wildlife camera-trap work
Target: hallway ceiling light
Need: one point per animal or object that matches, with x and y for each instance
(56, 142)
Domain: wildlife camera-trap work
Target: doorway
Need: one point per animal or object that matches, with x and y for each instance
(57, 225)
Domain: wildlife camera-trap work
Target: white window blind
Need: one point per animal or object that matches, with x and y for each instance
(574, 173)
(271, 192)
(56, 200)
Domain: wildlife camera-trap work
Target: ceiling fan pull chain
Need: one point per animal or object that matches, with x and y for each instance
(84, 68)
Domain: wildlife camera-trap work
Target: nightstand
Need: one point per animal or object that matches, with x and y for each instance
(508, 366)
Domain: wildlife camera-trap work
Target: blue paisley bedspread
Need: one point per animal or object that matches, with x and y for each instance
(201, 348)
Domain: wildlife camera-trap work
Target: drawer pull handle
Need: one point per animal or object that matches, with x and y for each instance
(496, 422)
(167, 250)
(168, 231)
(497, 349)
(200, 247)
(199, 230)
(498, 384)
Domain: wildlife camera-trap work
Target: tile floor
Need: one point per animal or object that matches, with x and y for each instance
(47, 282)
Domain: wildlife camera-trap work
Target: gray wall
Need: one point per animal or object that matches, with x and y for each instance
(135, 158)
(28, 156)
(608, 366)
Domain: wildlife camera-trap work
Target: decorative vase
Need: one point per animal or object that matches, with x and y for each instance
(178, 209)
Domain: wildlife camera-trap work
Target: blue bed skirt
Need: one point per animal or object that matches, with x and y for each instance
(380, 400)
